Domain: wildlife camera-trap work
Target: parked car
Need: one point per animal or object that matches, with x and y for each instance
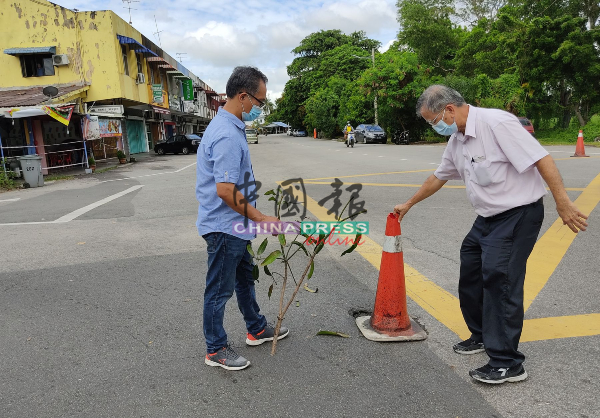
(176, 144)
(300, 132)
(251, 136)
(370, 133)
(527, 125)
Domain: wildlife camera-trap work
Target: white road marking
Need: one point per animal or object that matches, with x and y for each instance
(434, 163)
(181, 169)
(404, 159)
(77, 213)
(149, 175)
(365, 154)
(11, 200)
(381, 156)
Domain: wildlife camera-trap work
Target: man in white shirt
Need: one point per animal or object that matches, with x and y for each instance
(504, 169)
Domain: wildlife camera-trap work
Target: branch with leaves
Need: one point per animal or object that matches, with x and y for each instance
(286, 252)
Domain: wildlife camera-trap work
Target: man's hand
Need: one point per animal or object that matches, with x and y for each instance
(401, 210)
(269, 219)
(571, 216)
(265, 219)
(566, 209)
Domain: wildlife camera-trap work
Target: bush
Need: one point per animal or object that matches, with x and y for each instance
(91, 161)
(6, 179)
(556, 136)
(121, 155)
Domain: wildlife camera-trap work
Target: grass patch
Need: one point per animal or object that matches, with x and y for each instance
(568, 136)
(104, 170)
(58, 177)
(7, 179)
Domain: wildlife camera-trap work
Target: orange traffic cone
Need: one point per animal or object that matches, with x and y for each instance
(315, 133)
(390, 320)
(579, 148)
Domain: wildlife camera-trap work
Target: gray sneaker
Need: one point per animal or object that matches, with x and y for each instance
(226, 358)
(265, 335)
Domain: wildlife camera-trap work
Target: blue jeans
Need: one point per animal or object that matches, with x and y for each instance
(229, 268)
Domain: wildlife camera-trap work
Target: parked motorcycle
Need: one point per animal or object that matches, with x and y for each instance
(400, 137)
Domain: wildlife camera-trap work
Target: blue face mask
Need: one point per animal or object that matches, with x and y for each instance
(443, 128)
(254, 113)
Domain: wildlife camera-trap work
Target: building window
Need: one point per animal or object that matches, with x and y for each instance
(125, 64)
(38, 65)
(140, 69)
(151, 74)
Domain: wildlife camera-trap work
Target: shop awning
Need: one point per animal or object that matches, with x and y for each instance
(140, 49)
(161, 110)
(33, 50)
(32, 96)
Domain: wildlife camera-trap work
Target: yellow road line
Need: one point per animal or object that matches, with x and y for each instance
(548, 252)
(553, 245)
(441, 304)
(575, 158)
(372, 174)
(572, 189)
(560, 327)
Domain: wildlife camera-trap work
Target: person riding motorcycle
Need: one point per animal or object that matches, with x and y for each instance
(347, 129)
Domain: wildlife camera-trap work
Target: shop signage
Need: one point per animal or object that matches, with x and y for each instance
(188, 90)
(157, 93)
(90, 127)
(110, 127)
(106, 110)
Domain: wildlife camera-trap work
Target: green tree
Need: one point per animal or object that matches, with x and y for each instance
(426, 28)
(398, 80)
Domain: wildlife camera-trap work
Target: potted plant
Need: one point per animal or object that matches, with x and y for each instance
(122, 157)
(92, 163)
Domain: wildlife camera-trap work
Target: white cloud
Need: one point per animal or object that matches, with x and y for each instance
(217, 36)
(386, 46)
(219, 43)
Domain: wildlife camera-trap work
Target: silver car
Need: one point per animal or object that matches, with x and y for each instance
(252, 136)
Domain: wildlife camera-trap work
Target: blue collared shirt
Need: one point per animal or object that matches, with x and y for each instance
(223, 157)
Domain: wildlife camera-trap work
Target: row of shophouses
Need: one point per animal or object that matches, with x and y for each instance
(77, 84)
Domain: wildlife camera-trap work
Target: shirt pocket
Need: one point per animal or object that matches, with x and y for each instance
(483, 172)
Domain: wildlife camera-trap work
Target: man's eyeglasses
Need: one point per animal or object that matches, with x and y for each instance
(432, 121)
(261, 103)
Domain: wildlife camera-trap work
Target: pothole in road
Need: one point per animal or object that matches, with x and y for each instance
(357, 312)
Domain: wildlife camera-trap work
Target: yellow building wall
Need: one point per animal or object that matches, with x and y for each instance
(88, 38)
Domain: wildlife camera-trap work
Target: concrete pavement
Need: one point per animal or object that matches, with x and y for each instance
(103, 313)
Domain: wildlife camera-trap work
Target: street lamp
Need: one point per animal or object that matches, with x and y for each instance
(375, 99)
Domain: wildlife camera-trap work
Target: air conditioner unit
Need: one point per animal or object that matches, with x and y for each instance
(141, 79)
(62, 59)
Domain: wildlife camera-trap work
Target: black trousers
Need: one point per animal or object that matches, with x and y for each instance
(493, 258)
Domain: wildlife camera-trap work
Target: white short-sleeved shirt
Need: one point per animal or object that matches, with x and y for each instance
(495, 158)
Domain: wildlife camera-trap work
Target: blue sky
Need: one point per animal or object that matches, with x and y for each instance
(218, 35)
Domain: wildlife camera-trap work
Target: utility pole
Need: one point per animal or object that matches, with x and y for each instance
(374, 92)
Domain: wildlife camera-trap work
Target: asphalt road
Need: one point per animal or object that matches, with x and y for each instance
(100, 305)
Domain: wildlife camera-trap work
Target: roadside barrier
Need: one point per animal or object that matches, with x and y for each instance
(579, 148)
(390, 320)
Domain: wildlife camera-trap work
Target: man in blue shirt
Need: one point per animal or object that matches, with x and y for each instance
(226, 191)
